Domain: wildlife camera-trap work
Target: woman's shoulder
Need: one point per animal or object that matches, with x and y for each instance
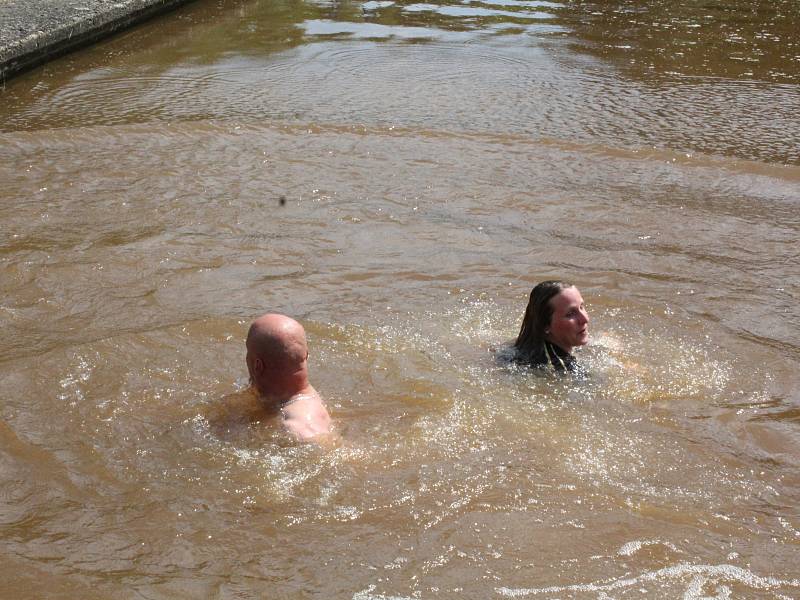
(552, 358)
(508, 354)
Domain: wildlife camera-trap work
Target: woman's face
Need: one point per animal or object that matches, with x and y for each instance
(569, 325)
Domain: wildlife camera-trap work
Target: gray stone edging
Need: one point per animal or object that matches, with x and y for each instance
(35, 31)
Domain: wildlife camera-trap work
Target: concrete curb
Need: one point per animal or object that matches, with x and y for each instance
(35, 31)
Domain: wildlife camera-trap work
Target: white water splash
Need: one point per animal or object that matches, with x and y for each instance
(702, 574)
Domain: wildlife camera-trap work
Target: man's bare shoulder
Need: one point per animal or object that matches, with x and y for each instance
(305, 415)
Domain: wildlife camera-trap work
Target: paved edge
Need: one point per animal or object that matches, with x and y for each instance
(39, 47)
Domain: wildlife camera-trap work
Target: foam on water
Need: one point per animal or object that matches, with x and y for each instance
(631, 548)
(454, 423)
(470, 456)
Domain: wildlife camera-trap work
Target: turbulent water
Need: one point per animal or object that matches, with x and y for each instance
(397, 176)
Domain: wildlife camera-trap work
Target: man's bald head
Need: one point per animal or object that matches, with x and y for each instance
(277, 338)
(276, 354)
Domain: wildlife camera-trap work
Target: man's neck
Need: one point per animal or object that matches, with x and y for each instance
(276, 400)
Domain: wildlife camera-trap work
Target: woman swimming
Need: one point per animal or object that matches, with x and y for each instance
(555, 323)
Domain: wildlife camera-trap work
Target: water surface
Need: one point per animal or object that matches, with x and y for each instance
(436, 160)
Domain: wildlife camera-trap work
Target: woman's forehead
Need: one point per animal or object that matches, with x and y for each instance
(566, 298)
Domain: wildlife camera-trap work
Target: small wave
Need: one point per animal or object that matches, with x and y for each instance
(701, 574)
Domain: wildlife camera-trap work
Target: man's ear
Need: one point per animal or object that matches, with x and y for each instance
(258, 365)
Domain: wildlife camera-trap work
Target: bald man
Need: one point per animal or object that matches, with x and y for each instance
(277, 360)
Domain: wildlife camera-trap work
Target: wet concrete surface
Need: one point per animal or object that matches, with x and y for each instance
(35, 31)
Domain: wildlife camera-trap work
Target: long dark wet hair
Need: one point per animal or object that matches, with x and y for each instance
(530, 344)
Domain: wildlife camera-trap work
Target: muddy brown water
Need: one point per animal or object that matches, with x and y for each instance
(436, 160)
